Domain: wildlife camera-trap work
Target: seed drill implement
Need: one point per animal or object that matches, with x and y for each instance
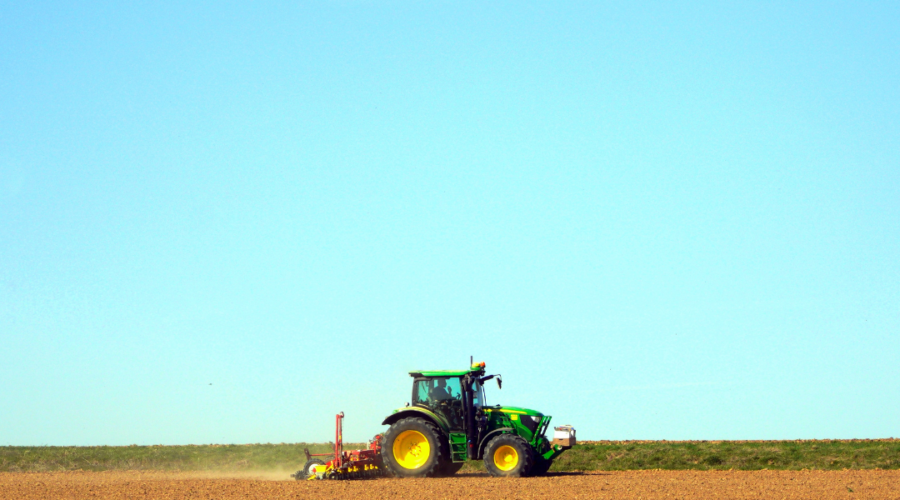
(355, 464)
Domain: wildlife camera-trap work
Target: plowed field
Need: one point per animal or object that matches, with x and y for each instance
(851, 484)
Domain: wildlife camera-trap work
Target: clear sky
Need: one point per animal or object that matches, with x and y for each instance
(224, 222)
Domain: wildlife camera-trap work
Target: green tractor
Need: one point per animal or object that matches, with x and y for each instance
(449, 422)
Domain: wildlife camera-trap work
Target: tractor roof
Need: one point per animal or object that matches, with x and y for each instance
(440, 373)
(475, 368)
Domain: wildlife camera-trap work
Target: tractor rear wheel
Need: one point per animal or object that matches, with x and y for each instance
(508, 455)
(449, 468)
(411, 447)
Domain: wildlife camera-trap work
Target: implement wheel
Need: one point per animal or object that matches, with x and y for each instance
(412, 448)
(308, 469)
(508, 455)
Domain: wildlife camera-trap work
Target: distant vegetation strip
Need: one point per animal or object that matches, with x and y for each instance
(233, 457)
(598, 455)
(829, 454)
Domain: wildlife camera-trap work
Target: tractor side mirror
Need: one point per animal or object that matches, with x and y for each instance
(482, 380)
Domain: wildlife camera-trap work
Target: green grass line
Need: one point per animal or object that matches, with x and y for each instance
(737, 455)
(249, 457)
(601, 455)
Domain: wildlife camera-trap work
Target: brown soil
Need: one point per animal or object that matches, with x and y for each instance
(850, 484)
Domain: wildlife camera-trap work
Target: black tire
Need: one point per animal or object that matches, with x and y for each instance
(449, 468)
(541, 466)
(412, 464)
(307, 471)
(508, 455)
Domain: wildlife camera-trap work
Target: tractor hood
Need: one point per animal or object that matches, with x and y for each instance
(513, 410)
(528, 424)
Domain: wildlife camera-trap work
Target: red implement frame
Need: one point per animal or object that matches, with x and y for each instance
(349, 464)
(338, 453)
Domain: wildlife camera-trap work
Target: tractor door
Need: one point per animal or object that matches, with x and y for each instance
(442, 395)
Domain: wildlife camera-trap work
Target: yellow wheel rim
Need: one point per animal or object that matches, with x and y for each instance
(411, 449)
(506, 458)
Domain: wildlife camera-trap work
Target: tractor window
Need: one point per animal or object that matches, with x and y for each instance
(453, 388)
(429, 392)
(478, 395)
(421, 393)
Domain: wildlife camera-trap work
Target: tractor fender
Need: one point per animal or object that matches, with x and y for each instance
(415, 411)
(490, 435)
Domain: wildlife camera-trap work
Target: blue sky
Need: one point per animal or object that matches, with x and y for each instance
(225, 222)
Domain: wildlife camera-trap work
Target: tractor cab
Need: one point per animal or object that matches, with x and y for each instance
(444, 395)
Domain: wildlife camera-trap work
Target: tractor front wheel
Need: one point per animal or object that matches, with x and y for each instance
(508, 455)
(541, 466)
(411, 447)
